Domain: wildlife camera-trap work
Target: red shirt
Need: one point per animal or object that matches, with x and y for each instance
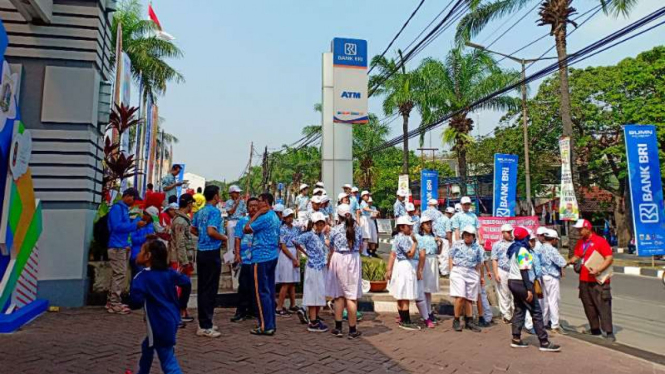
(594, 243)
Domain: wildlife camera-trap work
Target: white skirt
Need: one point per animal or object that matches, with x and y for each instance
(404, 283)
(465, 283)
(285, 272)
(344, 276)
(431, 274)
(369, 229)
(443, 258)
(314, 287)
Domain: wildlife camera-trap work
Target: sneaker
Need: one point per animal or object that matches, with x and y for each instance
(345, 316)
(457, 325)
(518, 344)
(294, 309)
(317, 327)
(610, 338)
(208, 333)
(550, 347)
(355, 335)
(337, 333)
(559, 331)
(259, 331)
(482, 323)
(593, 333)
(302, 316)
(238, 318)
(409, 326)
(215, 327)
(470, 325)
(283, 313)
(429, 324)
(187, 318)
(119, 309)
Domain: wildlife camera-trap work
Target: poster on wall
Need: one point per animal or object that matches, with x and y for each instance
(505, 185)
(350, 81)
(646, 189)
(568, 208)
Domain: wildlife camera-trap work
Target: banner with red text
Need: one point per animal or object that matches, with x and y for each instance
(490, 228)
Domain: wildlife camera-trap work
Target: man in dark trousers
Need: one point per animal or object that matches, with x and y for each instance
(208, 225)
(596, 298)
(265, 226)
(243, 256)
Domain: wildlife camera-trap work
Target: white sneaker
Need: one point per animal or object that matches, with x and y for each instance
(209, 333)
(215, 327)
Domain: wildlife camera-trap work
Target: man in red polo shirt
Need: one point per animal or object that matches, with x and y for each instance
(596, 298)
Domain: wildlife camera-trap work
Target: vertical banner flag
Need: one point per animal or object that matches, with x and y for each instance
(429, 185)
(568, 208)
(403, 183)
(152, 136)
(646, 190)
(505, 185)
(350, 77)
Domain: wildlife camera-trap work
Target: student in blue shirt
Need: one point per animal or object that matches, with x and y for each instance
(140, 237)
(399, 209)
(208, 225)
(431, 245)
(154, 290)
(265, 226)
(247, 308)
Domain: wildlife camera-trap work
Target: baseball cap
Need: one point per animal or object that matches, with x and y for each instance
(186, 199)
(401, 193)
(278, 208)
(506, 227)
(520, 233)
(582, 223)
(425, 219)
(317, 199)
(404, 220)
(319, 184)
(410, 207)
(466, 200)
(342, 195)
(317, 190)
(347, 186)
(364, 193)
(234, 188)
(541, 230)
(354, 189)
(173, 206)
(450, 210)
(324, 199)
(303, 186)
(131, 192)
(317, 217)
(343, 210)
(432, 202)
(469, 229)
(287, 212)
(151, 210)
(370, 200)
(551, 234)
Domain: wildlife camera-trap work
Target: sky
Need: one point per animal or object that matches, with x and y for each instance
(253, 68)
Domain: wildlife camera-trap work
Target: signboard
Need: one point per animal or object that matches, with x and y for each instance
(646, 190)
(490, 227)
(350, 81)
(384, 225)
(568, 208)
(429, 185)
(403, 184)
(505, 185)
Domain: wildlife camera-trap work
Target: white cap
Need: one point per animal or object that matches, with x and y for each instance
(317, 199)
(317, 217)
(433, 202)
(287, 212)
(364, 193)
(466, 200)
(469, 229)
(173, 206)
(425, 219)
(410, 207)
(278, 208)
(450, 210)
(458, 207)
(402, 193)
(342, 195)
(323, 191)
(343, 210)
(541, 230)
(532, 236)
(319, 184)
(234, 188)
(347, 186)
(324, 199)
(354, 189)
(303, 186)
(317, 190)
(506, 227)
(582, 223)
(370, 200)
(551, 234)
(151, 210)
(404, 220)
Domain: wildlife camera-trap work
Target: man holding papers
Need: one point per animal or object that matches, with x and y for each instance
(593, 260)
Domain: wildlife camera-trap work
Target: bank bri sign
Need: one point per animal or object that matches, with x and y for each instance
(505, 185)
(646, 190)
(350, 81)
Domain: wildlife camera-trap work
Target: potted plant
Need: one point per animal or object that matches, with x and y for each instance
(374, 270)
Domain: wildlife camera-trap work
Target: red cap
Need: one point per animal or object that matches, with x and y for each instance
(582, 223)
(520, 233)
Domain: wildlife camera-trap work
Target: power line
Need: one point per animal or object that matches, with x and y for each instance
(514, 24)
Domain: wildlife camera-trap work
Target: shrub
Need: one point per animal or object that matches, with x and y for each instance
(374, 269)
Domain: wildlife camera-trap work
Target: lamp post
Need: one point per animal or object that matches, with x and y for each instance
(523, 62)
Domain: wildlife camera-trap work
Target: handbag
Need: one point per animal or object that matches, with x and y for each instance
(579, 263)
(538, 288)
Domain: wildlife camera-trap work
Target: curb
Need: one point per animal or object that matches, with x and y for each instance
(638, 271)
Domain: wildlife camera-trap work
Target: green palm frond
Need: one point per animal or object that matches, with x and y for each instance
(482, 13)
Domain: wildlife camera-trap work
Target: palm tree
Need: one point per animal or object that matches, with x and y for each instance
(555, 13)
(365, 138)
(452, 86)
(312, 130)
(402, 94)
(145, 49)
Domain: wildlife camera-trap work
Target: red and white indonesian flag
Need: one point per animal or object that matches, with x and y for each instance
(160, 32)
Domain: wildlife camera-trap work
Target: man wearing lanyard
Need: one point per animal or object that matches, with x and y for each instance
(236, 208)
(596, 298)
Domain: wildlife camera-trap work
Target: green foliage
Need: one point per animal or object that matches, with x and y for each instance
(374, 269)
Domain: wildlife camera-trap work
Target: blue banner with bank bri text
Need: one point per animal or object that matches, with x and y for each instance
(646, 190)
(429, 186)
(505, 185)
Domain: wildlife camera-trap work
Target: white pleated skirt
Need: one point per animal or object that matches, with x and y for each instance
(465, 283)
(431, 274)
(285, 272)
(404, 283)
(369, 229)
(314, 287)
(344, 276)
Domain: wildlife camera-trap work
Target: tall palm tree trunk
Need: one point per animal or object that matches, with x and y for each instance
(463, 170)
(405, 129)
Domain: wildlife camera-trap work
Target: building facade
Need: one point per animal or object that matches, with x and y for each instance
(62, 49)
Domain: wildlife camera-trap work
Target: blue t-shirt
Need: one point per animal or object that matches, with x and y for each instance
(288, 235)
(245, 241)
(442, 226)
(401, 246)
(338, 241)
(354, 205)
(314, 245)
(500, 254)
(468, 256)
(428, 244)
(399, 209)
(463, 219)
(266, 237)
(240, 211)
(138, 238)
(209, 216)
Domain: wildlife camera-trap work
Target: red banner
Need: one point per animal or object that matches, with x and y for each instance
(490, 229)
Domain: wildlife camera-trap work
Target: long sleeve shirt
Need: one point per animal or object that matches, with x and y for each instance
(120, 225)
(182, 243)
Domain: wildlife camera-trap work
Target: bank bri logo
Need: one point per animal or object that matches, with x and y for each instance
(350, 49)
(350, 53)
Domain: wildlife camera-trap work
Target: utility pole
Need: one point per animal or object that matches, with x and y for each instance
(527, 168)
(264, 167)
(249, 168)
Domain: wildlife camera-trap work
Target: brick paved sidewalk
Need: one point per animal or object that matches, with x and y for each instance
(91, 341)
